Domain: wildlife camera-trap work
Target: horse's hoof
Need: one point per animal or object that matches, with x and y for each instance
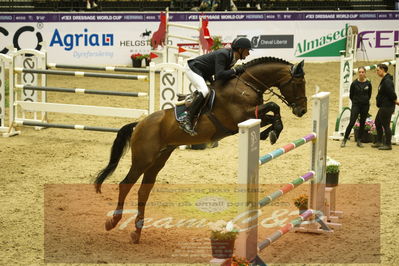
(110, 224)
(272, 137)
(98, 188)
(135, 237)
(263, 135)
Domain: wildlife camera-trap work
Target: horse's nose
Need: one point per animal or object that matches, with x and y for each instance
(299, 111)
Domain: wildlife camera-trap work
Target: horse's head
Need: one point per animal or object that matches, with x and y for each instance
(293, 89)
(267, 72)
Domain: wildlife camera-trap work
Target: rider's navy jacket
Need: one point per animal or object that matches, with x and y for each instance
(217, 63)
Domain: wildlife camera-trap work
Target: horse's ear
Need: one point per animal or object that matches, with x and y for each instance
(298, 69)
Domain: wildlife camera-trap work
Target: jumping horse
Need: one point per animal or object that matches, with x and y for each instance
(153, 139)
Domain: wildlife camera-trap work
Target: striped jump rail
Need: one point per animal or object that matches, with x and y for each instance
(78, 127)
(171, 24)
(285, 229)
(79, 74)
(388, 63)
(80, 91)
(285, 189)
(293, 145)
(105, 68)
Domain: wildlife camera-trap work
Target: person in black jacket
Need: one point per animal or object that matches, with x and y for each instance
(360, 94)
(213, 66)
(386, 99)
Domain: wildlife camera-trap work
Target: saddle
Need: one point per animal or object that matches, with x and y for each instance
(185, 101)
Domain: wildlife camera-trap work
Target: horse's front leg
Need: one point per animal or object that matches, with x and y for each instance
(266, 120)
(273, 131)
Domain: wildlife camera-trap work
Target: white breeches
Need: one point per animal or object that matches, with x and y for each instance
(197, 81)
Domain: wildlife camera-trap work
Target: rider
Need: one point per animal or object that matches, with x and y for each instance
(213, 66)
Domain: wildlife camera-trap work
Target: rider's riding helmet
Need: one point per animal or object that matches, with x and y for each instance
(241, 43)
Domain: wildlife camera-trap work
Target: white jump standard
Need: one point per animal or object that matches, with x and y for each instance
(5, 63)
(26, 112)
(248, 175)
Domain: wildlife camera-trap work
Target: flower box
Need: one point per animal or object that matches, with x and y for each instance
(366, 138)
(136, 62)
(332, 172)
(222, 249)
(332, 179)
(301, 203)
(137, 59)
(223, 236)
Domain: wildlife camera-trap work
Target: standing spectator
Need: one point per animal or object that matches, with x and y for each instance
(226, 5)
(256, 2)
(360, 94)
(386, 99)
(91, 4)
(233, 6)
(216, 5)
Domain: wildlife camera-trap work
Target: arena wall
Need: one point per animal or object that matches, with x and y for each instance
(110, 38)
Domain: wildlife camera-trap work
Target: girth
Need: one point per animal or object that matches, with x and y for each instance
(221, 131)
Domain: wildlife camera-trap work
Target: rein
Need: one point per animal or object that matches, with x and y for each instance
(268, 88)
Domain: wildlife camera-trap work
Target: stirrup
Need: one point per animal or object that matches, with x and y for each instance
(187, 127)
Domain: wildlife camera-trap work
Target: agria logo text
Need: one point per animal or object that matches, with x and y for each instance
(86, 39)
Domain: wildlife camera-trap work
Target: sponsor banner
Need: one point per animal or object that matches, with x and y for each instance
(110, 38)
(272, 41)
(214, 16)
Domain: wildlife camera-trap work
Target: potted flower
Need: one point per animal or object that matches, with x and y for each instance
(236, 261)
(147, 59)
(301, 203)
(217, 43)
(367, 136)
(332, 172)
(223, 236)
(373, 134)
(136, 59)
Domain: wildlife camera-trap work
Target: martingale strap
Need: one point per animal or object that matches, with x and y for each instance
(221, 131)
(267, 87)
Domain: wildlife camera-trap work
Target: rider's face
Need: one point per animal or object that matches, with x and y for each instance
(244, 53)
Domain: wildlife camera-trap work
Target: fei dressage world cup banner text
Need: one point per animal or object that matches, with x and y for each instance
(110, 38)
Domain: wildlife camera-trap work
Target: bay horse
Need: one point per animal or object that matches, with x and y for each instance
(153, 139)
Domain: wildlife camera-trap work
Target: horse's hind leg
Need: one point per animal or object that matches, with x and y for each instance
(143, 157)
(124, 188)
(147, 184)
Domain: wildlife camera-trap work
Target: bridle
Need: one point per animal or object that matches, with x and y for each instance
(269, 89)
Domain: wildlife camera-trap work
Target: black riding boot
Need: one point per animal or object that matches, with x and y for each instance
(191, 112)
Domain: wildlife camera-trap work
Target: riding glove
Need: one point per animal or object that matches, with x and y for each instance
(239, 70)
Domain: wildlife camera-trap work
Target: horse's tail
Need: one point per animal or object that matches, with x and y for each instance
(118, 149)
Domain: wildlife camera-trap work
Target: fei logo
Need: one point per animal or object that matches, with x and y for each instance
(86, 39)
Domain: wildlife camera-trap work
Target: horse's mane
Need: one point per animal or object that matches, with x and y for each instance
(265, 60)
